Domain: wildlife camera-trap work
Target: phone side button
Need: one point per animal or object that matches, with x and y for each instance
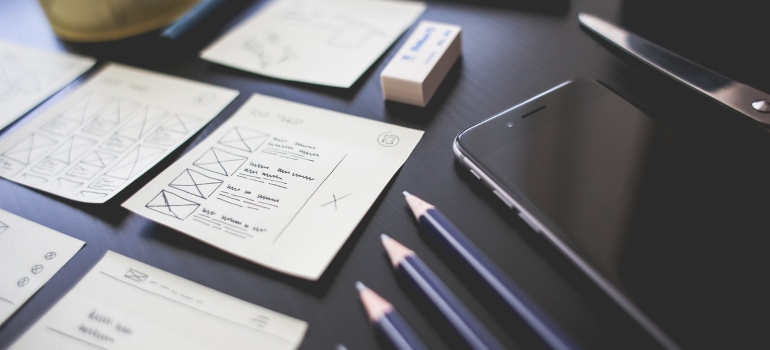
(502, 198)
(478, 177)
(529, 221)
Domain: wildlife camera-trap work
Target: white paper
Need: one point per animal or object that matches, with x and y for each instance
(324, 42)
(110, 131)
(30, 254)
(28, 76)
(125, 304)
(280, 183)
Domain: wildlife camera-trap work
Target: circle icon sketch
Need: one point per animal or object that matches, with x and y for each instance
(50, 255)
(37, 269)
(388, 139)
(22, 282)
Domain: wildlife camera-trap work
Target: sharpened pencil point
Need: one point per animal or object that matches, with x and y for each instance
(397, 252)
(406, 194)
(419, 207)
(360, 286)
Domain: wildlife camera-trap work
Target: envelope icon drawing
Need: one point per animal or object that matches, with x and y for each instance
(135, 275)
(220, 162)
(170, 204)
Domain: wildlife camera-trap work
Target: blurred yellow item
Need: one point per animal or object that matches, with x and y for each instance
(102, 20)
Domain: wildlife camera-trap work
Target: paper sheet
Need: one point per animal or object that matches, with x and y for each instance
(30, 254)
(28, 76)
(109, 132)
(324, 42)
(124, 304)
(280, 183)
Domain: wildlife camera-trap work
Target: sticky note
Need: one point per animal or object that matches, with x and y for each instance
(414, 74)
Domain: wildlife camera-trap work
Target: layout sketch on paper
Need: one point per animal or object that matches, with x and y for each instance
(30, 254)
(280, 183)
(220, 162)
(124, 304)
(110, 131)
(195, 183)
(325, 42)
(29, 76)
(170, 204)
(244, 139)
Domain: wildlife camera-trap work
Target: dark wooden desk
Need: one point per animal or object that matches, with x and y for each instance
(509, 54)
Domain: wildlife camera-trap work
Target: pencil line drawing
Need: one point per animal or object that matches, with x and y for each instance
(220, 162)
(3, 227)
(195, 183)
(170, 204)
(174, 129)
(244, 139)
(110, 117)
(92, 164)
(135, 129)
(64, 155)
(91, 195)
(31, 148)
(77, 115)
(65, 185)
(135, 162)
(17, 81)
(335, 200)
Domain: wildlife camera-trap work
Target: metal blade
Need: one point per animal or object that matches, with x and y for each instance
(751, 102)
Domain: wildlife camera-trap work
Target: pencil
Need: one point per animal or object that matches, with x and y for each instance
(513, 298)
(411, 267)
(191, 19)
(387, 321)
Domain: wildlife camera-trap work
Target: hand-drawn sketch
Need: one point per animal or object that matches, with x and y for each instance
(123, 304)
(244, 139)
(113, 115)
(279, 183)
(78, 114)
(29, 76)
(28, 259)
(170, 204)
(109, 132)
(324, 42)
(195, 183)
(135, 275)
(220, 162)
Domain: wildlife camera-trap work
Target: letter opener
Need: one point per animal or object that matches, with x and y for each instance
(746, 100)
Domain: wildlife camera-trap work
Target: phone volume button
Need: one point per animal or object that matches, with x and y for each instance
(478, 177)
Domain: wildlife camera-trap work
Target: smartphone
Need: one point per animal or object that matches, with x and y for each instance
(595, 175)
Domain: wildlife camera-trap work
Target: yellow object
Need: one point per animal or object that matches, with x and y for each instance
(103, 20)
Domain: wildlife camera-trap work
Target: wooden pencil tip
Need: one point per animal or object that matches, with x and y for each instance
(374, 304)
(397, 252)
(418, 206)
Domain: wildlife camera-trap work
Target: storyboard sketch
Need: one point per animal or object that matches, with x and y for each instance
(28, 76)
(30, 254)
(324, 42)
(110, 131)
(280, 183)
(125, 304)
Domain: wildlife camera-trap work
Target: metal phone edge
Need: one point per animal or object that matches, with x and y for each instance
(608, 287)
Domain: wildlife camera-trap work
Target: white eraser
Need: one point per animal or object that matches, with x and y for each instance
(415, 72)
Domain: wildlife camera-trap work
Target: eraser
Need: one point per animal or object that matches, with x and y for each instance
(414, 74)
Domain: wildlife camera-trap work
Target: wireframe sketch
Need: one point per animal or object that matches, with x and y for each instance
(91, 196)
(133, 164)
(244, 139)
(3, 227)
(66, 185)
(170, 204)
(179, 126)
(92, 164)
(220, 162)
(195, 183)
(136, 276)
(269, 50)
(136, 129)
(33, 179)
(31, 148)
(345, 28)
(17, 81)
(77, 115)
(110, 117)
(64, 155)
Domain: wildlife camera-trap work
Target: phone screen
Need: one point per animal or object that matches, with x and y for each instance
(604, 177)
